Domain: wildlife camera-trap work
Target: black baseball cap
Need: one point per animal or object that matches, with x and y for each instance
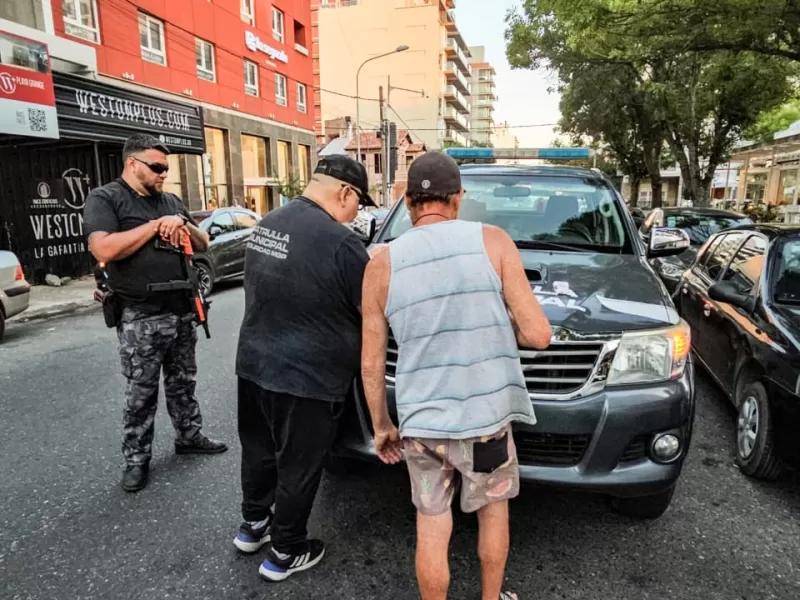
(349, 171)
(434, 173)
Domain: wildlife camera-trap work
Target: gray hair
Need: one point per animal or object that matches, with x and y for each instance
(139, 142)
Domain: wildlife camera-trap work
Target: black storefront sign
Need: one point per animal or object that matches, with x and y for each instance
(44, 184)
(89, 110)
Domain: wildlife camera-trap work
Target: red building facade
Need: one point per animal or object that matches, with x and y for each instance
(233, 80)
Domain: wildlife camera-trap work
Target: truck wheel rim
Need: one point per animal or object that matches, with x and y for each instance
(747, 429)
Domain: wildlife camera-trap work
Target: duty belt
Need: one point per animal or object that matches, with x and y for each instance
(170, 286)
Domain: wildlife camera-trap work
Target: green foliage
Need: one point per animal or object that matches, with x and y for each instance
(761, 213)
(628, 85)
(291, 187)
(773, 121)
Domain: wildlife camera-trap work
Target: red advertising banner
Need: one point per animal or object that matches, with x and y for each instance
(27, 96)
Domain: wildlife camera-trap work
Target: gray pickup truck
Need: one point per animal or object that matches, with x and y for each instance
(614, 392)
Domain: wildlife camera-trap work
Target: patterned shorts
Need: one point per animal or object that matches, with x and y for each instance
(484, 470)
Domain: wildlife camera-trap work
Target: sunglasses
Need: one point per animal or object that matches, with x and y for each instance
(156, 168)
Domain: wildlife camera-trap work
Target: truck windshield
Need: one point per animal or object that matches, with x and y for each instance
(551, 212)
(787, 282)
(700, 227)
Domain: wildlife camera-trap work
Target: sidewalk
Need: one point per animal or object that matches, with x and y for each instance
(47, 301)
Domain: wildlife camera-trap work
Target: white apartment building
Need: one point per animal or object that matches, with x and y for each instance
(428, 86)
(483, 97)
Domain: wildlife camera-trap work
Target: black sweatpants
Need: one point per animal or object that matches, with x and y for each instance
(284, 442)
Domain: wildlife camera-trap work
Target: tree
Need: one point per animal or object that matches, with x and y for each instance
(617, 115)
(291, 187)
(771, 122)
(702, 101)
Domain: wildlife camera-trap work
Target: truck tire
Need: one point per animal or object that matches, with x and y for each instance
(644, 507)
(756, 454)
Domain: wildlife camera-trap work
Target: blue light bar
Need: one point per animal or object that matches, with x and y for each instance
(521, 153)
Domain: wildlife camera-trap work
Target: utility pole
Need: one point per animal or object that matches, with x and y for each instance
(384, 147)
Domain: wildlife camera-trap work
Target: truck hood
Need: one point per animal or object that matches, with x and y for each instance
(598, 293)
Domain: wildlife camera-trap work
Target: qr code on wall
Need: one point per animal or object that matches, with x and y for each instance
(21, 117)
(38, 119)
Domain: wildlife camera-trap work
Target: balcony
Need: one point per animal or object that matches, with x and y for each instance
(454, 137)
(484, 90)
(455, 119)
(458, 56)
(456, 99)
(488, 81)
(456, 77)
(450, 19)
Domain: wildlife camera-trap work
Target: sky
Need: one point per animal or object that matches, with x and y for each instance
(523, 95)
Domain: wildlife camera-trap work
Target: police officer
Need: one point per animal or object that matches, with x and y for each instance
(299, 351)
(157, 329)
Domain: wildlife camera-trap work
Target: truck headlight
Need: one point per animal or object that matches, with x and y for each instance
(649, 356)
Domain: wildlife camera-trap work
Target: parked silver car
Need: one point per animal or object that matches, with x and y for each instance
(15, 292)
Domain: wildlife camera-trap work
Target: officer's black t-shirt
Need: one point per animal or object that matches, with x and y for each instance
(301, 333)
(116, 207)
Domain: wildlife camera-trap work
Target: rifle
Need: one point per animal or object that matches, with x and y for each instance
(201, 305)
(192, 282)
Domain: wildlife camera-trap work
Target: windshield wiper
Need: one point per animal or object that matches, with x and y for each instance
(543, 245)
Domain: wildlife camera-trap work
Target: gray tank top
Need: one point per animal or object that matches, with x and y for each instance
(458, 369)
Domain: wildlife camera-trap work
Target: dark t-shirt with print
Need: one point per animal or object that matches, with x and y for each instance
(116, 207)
(301, 333)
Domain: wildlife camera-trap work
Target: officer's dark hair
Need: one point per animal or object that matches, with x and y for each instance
(139, 142)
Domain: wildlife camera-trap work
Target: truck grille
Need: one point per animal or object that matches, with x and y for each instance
(550, 449)
(563, 368)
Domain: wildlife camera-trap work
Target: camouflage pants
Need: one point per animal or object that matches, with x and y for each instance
(148, 344)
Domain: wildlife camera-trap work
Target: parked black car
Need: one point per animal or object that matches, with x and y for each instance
(229, 229)
(614, 392)
(698, 223)
(742, 299)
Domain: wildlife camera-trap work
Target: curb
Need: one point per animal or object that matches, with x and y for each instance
(55, 311)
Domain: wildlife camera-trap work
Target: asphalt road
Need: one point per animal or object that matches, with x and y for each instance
(67, 530)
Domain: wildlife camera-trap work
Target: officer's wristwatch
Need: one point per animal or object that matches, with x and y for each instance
(184, 217)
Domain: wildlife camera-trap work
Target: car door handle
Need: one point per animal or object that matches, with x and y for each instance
(707, 310)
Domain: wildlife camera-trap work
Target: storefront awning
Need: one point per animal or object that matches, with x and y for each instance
(92, 111)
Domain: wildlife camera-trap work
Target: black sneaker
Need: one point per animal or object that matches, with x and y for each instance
(280, 566)
(200, 444)
(135, 477)
(250, 540)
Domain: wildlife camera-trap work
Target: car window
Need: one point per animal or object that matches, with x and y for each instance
(245, 221)
(700, 227)
(718, 259)
(746, 266)
(224, 222)
(787, 279)
(537, 208)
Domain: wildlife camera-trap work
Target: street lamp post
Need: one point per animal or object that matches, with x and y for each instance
(358, 97)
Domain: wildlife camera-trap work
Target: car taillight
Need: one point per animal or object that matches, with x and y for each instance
(20, 276)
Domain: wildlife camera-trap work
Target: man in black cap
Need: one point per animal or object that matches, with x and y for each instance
(299, 350)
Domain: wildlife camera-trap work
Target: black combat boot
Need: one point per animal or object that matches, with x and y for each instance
(135, 477)
(200, 444)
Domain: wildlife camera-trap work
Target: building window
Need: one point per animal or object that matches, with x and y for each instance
(247, 12)
(300, 42)
(173, 183)
(304, 157)
(280, 89)
(277, 24)
(204, 54)
(151, 39)
(215, 170)
(255, 168)
(284, 161)
(301, 97)
(80, 19)
(250, 78)
(378, 164)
